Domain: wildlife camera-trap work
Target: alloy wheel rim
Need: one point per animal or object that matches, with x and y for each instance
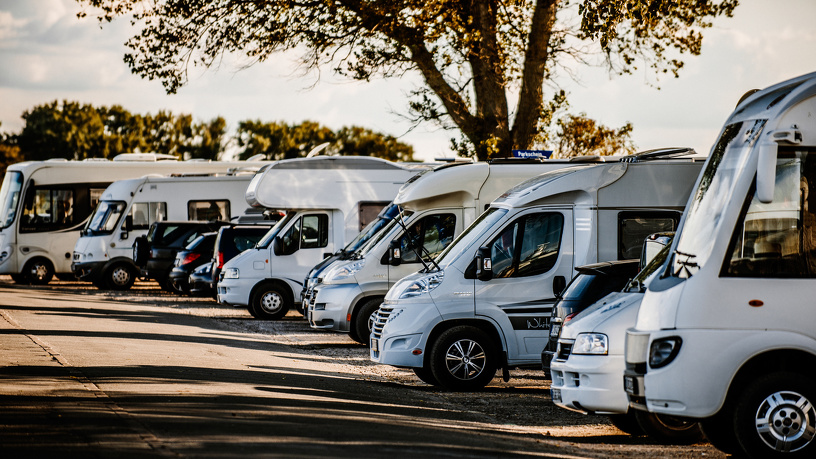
(786, 421)
(465, 359)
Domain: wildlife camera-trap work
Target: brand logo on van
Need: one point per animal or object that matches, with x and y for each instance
(462, 293)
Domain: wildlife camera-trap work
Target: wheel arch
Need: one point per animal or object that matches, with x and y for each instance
(793, 360)
(276, 282)
(484, 325)
(354, 309)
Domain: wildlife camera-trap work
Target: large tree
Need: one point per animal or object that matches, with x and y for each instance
(476, 56)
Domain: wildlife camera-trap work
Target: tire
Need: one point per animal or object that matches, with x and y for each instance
(39, 271)
(424, 374)
(463, 358)
(668, 429)
(119, 276)
(626, 423)
(270, 302)
(775, 416)
(140, 251)
(719, 431)
(361, 324)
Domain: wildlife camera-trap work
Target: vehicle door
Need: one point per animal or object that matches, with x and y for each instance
(532, 256)
(426, 237)
(301, 247)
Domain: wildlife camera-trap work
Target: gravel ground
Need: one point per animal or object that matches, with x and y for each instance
(521, 404)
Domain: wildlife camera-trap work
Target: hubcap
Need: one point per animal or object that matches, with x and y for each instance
(271, 302)
(786, 421)
(39, 271)
(120, 276)
(465, 359)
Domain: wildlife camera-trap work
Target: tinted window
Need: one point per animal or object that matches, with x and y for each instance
(633, 228)
(528, 246)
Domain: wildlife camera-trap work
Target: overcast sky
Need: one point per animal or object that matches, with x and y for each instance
(47, 54)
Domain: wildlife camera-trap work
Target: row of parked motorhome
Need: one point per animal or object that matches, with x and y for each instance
(454, 270)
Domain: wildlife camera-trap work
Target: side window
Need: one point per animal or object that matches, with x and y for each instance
(778, 239)
(308, 232)
(315, 231)
(369, 211)
(433, 233)
(48, 209)
(208, 210)
(633, 227)
(145, 213)
(528, 246)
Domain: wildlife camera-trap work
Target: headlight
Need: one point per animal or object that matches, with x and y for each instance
(343, 272)
(591, 343)
(663, 351)
(231, 273)
(422, 285)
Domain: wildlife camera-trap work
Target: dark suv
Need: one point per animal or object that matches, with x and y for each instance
(591, 283)
(233, 240)
(155, 253)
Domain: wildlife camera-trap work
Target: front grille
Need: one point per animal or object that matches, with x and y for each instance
(380, 318)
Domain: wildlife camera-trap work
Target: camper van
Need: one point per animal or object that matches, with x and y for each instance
(327, 201)
(726, 335)
(435, 208)
(103, 254)
(45, 204)
(485, 301)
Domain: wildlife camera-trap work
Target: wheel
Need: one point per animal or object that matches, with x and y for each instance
(775, 416)
(424, 374)
(270, 302)
(463, 358)
(119, 276)
(626, 423)
(140, 251)
(668, 429)
(719, 430)
(39, 271)
(363, 320)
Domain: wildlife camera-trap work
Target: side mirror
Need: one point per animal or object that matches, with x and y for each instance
(766, 171)
(277, 246)
(128, 223)
(484, 264)
(394, 253)
(559, 284)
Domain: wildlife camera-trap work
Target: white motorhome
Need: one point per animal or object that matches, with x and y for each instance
(436, 207)
(588, 363)
(103, 254)
(486, 302)
(45, 204)
(726, 334)
(327, 201)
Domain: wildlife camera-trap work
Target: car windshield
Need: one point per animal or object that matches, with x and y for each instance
(105, 217)
(476, 229)
(577, 287)
(9, 197)
(270, 236)
(709, 201)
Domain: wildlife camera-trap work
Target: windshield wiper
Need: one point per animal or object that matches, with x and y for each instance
(413, 242)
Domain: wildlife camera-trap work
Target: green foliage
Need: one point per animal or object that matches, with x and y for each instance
(72, 130)
(581, 136)
(278, 140)
(471, 54)
(9, 152)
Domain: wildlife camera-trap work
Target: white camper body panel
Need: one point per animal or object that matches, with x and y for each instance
(330, 196)
(142, 201)
(43, 243)
(566, 215)
(735, 301)
(442, 201)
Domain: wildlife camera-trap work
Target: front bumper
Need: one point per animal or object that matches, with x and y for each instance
(88, 270)
(330, 305)
(589, 384)
(236, 291)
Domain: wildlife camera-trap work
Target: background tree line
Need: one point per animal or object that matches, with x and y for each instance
(77, 131)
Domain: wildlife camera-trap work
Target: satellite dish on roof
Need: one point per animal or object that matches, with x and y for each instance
(316, 150)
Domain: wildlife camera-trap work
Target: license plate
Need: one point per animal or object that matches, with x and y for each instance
(556, 395)
(630, 385)
(375, 344)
